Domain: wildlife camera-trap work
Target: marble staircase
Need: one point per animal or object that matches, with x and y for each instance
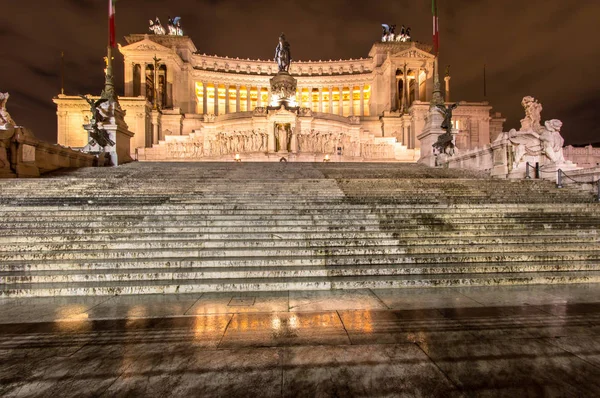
(197, 227)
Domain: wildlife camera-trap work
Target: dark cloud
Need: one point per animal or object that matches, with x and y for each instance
(544, 48)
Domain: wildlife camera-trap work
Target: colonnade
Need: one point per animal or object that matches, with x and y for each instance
(138, 73)
(217, 98)
(404, 96)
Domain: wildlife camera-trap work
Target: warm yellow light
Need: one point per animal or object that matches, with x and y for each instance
(237, 157)
(326, 158)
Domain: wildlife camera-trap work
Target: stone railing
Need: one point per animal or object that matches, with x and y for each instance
(584, 157)
(498, 159)
(477, 159)
(23, 155)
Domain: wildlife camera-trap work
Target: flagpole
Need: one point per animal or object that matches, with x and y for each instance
(109, 86)
(437, 98)
(484, 83)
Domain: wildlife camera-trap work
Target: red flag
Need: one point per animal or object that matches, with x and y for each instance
(111, 23)
(436, 28)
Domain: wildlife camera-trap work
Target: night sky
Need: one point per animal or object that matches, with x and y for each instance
(545, 48)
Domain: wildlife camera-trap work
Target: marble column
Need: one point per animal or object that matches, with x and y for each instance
(341, 102)
(351, 100)
(227, 98)
(237, 98)
(143, 80)
(321, 99)
(216, 104)
(204, 98)
(407, 92)
(330, 99)
(129, 83)
(169, 83)
(417, 84)
(362, 100)
(258, 97)
(248, 99)
(310, 98)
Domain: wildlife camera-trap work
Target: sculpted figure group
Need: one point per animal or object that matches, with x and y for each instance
(225, 143)
(183, 150)
(173, 26)
(389, 33)
(327, 142)
(534, 140)
(256, 141)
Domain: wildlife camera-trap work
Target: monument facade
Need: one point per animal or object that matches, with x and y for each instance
(193, 106)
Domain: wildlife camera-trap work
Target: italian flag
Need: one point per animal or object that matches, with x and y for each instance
(436, 28)
(111, 23)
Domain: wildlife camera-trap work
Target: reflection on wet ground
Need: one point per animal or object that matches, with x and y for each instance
(521, 341)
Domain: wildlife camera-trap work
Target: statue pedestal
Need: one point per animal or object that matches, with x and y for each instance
(6, 133)
(429, 136)
(283, 91)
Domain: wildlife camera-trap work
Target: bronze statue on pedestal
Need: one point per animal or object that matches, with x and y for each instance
(283, 55)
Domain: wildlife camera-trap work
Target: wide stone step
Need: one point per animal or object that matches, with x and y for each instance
(281, 242)
(270, 272)
(341, 222)
(449, 215)
(313, 283)
(118, 254)
(298, 261)
(126, 235)
(292, 207)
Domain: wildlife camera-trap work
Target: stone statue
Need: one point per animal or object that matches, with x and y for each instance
(404, 35)
(552, 141)
(283, 55)
(533, 111)
(174, 26)
(282, 138)
(447, 112)
(156, 27)
(5, 118)
(98, 135)
(388, 33)
(548, 143)
(446, 142)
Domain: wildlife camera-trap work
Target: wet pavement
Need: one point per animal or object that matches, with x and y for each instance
(499, 341)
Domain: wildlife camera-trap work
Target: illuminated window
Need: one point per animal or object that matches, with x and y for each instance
(232, 99)
(326, 96)
(221, 98)
(243, 99)
(346, 101)
(200, 98)
(210, 98)
(253, 98)
(366, 97)
(356, 100)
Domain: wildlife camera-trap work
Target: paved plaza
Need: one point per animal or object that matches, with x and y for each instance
(493, 341)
